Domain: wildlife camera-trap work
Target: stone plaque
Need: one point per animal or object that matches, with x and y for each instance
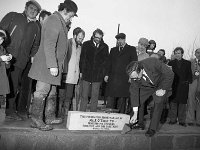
(78, 120)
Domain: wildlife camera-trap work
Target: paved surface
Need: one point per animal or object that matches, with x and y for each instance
(19, 135)
(166, 128)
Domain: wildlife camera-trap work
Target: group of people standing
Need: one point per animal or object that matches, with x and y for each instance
(40, 52)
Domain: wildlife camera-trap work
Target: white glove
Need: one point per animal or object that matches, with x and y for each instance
(54, 71)
(32, 58)
(106, 78)
(160, 92)
(134, 117)
(81, 75)
(6, 58)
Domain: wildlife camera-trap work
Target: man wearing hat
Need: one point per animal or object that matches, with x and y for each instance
(24, 33)
(48, 65)
(117, 89)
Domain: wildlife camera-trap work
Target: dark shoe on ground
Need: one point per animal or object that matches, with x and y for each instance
(14, 116)
(138, 126)
(198, 125)
(54, 121)
(37, 123)
(182, 124)
(172, 122)
(23, 115)
(162, 121)
(150, 133)
(190, 124)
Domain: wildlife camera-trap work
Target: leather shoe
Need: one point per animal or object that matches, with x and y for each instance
(150, 133)
(198, 125)
(14, 116)
(182, 124)
(138, 126)
(190, 124)
(172, 122)
(54, 121)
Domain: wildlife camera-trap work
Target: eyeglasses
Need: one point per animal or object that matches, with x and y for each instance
(97, 37)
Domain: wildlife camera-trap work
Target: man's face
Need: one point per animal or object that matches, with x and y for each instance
(97, 38)
(1, 40)
(79, 38)
(68, 16)
(43, 19)
(197, 54)
(178, 54)
(31, 11)
(136, 75)
(161, 53)
(121, 42)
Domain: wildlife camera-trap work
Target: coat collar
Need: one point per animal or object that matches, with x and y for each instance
(123, 50)
(64, 25)
(100, 47)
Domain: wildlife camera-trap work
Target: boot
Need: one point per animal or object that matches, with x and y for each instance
(61, 109)
(50, 111)
(66, 107)
(36, 113)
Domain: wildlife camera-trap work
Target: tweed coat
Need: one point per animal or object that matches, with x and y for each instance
(182, 78)
(118, 85)
(52, 50)
(195, 67)
(4, 84)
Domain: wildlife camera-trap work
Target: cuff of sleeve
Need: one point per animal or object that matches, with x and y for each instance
(135, 108)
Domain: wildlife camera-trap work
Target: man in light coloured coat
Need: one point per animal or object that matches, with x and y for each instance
(71, 71)
(48, 65)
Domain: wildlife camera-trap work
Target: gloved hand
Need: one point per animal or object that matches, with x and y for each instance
(54, 71)
(6, 57)
(160, 92)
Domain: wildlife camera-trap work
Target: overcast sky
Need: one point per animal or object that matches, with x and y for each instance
(170, 23)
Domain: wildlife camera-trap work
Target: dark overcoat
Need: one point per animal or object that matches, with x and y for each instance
(24, 37)
(4, 84)
(159, 73)
(118, 85)
(52, 50)
(182, 78)
(93, 61)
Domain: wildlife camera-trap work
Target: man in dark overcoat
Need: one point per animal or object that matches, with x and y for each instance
(148, 77)
(117, 80)
(180, 87)
(24, 37)
(92, 67)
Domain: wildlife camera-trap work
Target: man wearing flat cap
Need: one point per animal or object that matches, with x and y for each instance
(24, 33)
(117, 80)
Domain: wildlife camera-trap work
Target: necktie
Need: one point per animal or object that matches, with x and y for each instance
(120, 49)
(179, 63)
(146, 78)
(198, 62)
